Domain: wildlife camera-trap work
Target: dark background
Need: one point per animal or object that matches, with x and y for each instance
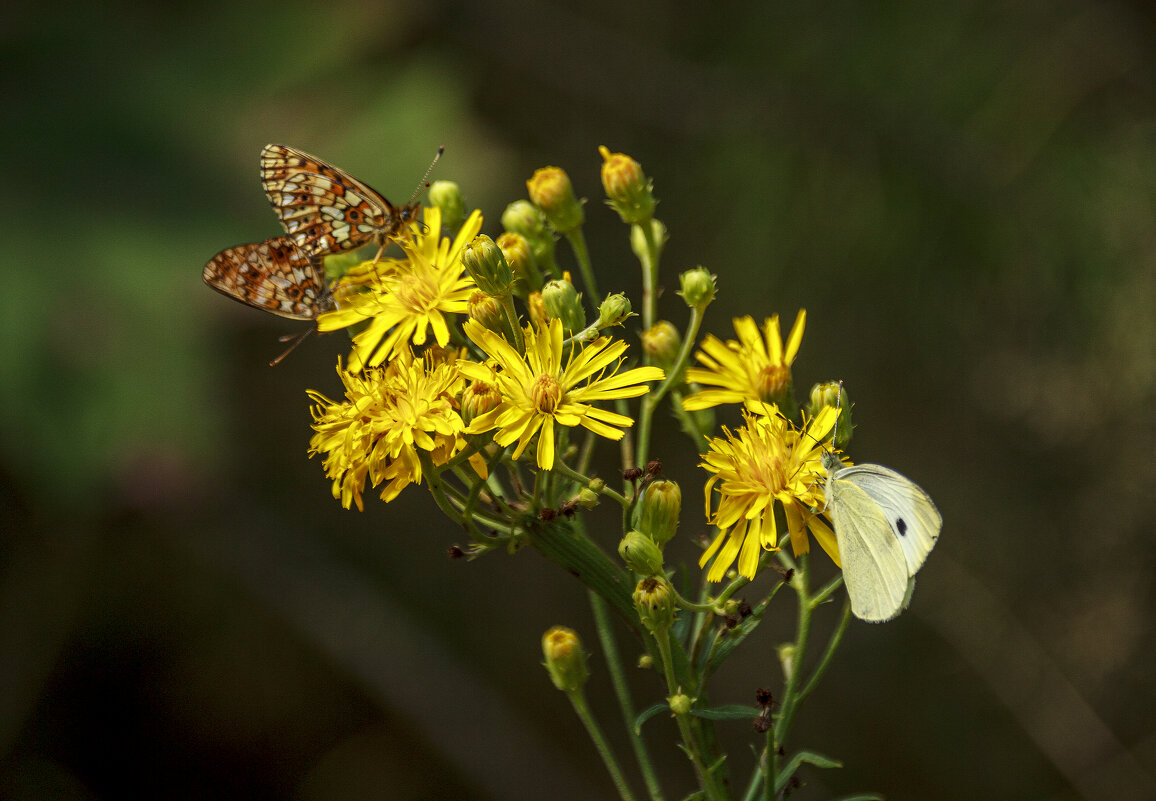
(960, 194)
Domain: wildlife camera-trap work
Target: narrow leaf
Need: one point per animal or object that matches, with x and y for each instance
(729, 712)
(796, 761)
(647, 714)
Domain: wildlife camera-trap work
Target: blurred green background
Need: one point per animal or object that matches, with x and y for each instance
(961, 195)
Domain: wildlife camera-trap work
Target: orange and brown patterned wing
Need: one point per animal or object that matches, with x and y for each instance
(274, 275)
(324, 209)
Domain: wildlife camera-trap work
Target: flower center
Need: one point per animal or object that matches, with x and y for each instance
(773, 381)
(546, 393)
(415, 293)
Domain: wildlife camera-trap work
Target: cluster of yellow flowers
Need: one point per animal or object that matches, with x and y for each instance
(443, 371)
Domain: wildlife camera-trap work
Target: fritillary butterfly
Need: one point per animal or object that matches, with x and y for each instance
(274, 275)
(327, 210)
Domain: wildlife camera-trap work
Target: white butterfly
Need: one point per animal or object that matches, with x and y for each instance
(886, 525)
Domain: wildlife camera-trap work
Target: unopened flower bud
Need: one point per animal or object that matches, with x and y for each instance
(516, 249)
(661, 505)
(521, 217)
(640, 244)
(447, 196)
(587, 498)
(832, 393)
(641, 554)
(654, 600)
(661, 344)
(680, 704)
(477, 399)
(487, 266)
(614, 311)
(486, 310)
(564, 303)
(645, 662)
(628, 189)
(551, 191)
(786, 653)
(537, 309)
(565, 659)
(698, 289)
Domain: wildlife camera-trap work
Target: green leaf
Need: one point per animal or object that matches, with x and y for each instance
(729, 712)
(647, 714)
(796, 761)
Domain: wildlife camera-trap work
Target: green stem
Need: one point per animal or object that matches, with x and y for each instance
(673, 379)
(510, 324)
(579, 556)
(577, 242)
(578, 699)
(690, 742)
(649, 261)
(828, 654)
(566, 471)
(622, 691)
(790, 692)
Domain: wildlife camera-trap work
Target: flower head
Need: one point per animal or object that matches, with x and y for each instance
(552, 384)
(403, 300)
(765, 461)
(551, 191)
(388, 416)
(756, 368)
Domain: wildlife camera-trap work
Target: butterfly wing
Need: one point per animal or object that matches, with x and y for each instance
(909, 511)
(324, 209)
(274, 275)
(874, 566)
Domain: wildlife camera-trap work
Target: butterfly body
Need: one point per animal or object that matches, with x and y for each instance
(325, 209)
(274, 275)
(886, 525)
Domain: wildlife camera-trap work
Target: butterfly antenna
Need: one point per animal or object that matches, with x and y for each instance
(294, 340)
(838, 413)
(423, 184)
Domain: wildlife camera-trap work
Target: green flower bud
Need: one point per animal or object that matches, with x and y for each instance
(680, 704)
(655, 603)
(638, 242)
(486, 310)
(832, 393)
(565, 659)
(614, 311)
(698, 288)
(521, 217)
(564, 303)
(786, 653)
(661, 504)
(477, 399)
(447, 196)
(641, 554)
(661, 344)
(628, 189)
(516, 249)
(551, 191)
(487, 266)
(587, 498)
(645, 662)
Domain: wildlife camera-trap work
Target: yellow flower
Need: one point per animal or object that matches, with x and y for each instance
(549, 385)
(753, 369)
(389, 414)
(405, 299)
(767, 460)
